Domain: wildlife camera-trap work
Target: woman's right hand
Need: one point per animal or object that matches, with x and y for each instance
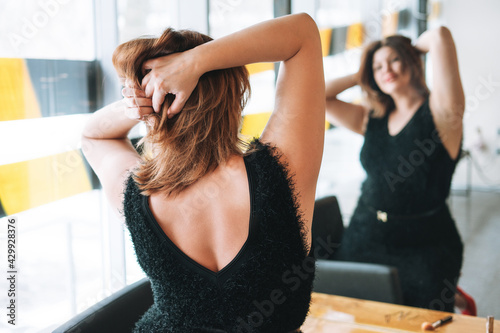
(138, 105)
(172, 74)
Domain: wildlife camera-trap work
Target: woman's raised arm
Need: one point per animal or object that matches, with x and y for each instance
(447, 100)
(349, 115)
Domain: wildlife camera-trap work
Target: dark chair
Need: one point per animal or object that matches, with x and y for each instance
(116, 313)
(343, 278)
(327, 227)
(372, 282)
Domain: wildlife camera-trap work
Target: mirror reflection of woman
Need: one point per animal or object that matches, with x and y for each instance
(412, 143)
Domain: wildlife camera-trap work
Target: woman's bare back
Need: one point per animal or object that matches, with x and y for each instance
(209, 221)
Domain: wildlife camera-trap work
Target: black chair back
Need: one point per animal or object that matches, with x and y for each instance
(116, 313)
(327, 227)
(372, 282)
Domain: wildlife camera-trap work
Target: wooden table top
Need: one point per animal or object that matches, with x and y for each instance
(338, 314)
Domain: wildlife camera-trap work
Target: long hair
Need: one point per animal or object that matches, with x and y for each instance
(411, 60)
(179, 151)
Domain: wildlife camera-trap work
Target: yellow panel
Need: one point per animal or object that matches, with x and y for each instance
(354, 37)
(326, 40)
(328, 125)
(254, 124)
(390, 24)
(435, 10)
(29, 184)
(260, 67)
(17, 96)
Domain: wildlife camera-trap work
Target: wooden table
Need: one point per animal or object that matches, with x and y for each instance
(336, 314)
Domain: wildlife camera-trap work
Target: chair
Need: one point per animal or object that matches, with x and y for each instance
(116, 313)
(327, 227)
(351, 279)
(372, 282)
(470, 305)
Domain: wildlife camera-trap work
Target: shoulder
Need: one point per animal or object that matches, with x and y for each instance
(266, 153)
(132, 200)
(271, 167)
(131, 189)
(266, 158)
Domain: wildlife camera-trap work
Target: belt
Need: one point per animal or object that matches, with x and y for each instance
(385, 216)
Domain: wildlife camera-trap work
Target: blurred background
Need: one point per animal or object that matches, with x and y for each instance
(55, 69)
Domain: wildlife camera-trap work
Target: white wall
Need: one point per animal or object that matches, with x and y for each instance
(476, 29)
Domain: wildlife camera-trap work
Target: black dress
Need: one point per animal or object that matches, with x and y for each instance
(265, 288)
(402, 218)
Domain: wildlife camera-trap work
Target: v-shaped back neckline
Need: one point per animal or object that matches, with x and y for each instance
(403, 129)
(190, 263)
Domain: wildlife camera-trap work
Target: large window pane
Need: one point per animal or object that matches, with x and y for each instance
(48, 76)
(47, 29)
(228, 16)
(148, 17)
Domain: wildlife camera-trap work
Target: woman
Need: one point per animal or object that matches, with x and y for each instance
(412, 145)
(222, 233)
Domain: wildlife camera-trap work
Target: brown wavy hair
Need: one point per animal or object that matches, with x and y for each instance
(179, 151)
(411, 60)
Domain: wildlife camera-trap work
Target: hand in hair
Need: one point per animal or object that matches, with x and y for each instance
(138, 105)
(172, 74)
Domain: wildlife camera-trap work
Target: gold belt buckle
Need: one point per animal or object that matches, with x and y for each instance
(381, 216)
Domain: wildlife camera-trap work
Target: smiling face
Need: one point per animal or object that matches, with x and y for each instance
(389, 72)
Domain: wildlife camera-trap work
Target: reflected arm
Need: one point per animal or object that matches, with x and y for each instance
(349, 115)
(447, 100)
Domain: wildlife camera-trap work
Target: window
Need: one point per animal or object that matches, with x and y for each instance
(48, 76)
(149, 17)
(47, 29)
(227, 16)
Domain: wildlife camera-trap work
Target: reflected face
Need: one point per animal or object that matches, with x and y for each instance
(388, 71)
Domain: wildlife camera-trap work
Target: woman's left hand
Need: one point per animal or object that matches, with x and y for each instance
(172, 74)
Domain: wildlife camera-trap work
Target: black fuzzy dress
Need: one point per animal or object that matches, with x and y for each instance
(408, 178)
(265, 288)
